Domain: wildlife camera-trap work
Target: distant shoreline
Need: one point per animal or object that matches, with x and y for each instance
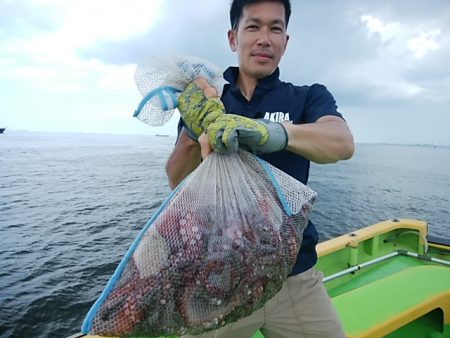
(427, 145)
(86, 133)
(10, 131)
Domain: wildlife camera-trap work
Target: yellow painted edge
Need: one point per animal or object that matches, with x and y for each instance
(440, 301)
(439, 246)
(343, 241)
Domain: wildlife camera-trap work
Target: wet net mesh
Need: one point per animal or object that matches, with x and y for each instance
(220, 246)
(161, 80)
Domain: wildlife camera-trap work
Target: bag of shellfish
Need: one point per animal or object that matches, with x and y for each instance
(220, 246)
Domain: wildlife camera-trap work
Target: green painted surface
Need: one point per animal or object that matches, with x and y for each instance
(372, 295)
(367, 276)
(378, 302)
(427, 326)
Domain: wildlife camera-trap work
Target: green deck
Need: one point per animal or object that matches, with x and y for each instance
(389, 297)
(397, 288)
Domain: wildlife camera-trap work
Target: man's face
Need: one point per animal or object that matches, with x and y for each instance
(260, 38)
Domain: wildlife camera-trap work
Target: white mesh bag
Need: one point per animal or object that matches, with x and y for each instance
(161, 81)
(218, 248)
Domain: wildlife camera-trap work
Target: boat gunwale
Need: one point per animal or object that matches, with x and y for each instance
(352, 239)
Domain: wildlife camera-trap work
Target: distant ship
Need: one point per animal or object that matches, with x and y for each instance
(2, 130)
(162, 135)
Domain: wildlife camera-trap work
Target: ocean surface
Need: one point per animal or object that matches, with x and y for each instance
(71, 205)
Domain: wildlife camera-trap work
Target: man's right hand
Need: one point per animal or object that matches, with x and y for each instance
(199, 106)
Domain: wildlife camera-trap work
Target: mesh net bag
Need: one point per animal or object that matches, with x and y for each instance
(161, 81)
(218, 248)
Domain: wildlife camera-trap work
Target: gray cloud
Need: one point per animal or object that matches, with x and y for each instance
(328, 44)
(386, 94)
(21, 19)
(185, 27)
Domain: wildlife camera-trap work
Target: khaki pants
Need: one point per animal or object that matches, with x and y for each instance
(302, 309)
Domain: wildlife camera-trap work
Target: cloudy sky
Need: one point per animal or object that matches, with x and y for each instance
(69, 65)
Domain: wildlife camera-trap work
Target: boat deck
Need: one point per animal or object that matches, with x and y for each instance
(394, 301)
(388, 281)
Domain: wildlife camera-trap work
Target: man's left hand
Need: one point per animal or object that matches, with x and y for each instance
(229, 132)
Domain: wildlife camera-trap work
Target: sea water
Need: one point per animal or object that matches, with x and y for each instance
(71, 205)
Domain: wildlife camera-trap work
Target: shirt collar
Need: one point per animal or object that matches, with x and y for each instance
(264, 85)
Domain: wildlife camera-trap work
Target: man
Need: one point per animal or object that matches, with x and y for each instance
(301, 124)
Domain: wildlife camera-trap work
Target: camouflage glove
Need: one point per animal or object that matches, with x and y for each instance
(197, 111)
(229, 132)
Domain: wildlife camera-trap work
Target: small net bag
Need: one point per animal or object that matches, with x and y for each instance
(160, 81)
(219, 247)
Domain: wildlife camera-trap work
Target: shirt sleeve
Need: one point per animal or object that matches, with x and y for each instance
(179, 128)
(320, 102)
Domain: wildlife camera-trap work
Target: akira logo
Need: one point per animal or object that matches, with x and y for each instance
(277, 117)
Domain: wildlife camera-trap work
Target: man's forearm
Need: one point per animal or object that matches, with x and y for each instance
(184, 159)
(326, 141)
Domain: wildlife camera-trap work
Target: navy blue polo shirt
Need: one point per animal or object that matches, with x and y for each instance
(281, 101)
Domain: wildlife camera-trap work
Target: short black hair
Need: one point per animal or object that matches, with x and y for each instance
(237, 6)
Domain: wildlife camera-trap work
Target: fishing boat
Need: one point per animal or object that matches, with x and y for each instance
(389, 279)
(2, 130)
